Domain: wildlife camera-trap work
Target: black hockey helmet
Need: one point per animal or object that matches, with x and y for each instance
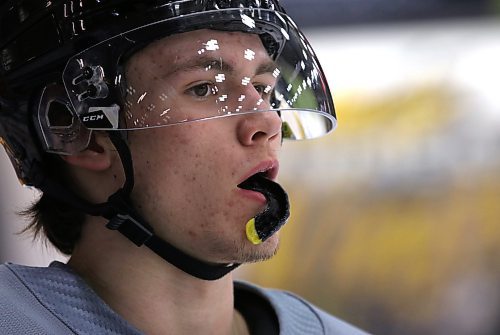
(61, 68)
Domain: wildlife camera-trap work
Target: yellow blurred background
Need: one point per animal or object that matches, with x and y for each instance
(396, 216)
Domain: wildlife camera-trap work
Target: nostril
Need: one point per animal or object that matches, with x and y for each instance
(258, 136)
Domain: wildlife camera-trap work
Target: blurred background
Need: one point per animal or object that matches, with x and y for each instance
(396, 216)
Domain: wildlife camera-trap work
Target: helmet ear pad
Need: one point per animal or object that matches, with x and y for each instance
(57, 123)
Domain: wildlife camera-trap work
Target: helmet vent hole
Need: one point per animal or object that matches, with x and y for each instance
(59, 115)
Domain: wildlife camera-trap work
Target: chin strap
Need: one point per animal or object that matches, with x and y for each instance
(140, 233)
(123, 218)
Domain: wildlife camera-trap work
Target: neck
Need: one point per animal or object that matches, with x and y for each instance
(148, 292)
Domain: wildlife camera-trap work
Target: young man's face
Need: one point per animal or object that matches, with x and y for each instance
(187, 174)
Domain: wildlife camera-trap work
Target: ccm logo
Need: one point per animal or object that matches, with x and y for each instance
(93, 118)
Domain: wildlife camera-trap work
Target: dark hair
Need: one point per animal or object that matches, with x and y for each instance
(59, 222)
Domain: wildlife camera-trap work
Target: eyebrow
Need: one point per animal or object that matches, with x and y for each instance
(205, 62)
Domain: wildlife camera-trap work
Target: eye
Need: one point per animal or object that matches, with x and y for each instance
(263, 90)
(201, 90)
(259, 88)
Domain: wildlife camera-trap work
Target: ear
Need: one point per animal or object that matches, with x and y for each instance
(97, 156)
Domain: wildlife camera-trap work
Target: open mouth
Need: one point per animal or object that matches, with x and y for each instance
(277, 210)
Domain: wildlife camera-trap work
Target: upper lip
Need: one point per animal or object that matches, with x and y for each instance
(270, 169)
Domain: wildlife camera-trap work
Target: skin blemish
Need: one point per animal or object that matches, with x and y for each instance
(196, 165)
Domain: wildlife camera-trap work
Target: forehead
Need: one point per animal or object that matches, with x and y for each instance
(179, 50)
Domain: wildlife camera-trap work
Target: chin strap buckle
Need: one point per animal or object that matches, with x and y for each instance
(136, 232)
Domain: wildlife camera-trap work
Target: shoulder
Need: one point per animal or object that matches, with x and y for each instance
(20, 311)
(298, 316)
(53, 300)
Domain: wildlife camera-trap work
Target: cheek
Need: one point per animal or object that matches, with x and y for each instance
(181, 168)
(164, 160)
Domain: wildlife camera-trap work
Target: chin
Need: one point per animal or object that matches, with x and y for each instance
(250, 253)
(242, 250)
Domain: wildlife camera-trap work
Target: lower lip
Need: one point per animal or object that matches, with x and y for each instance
(256, 196)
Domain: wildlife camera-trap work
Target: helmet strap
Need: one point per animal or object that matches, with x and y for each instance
(123, 218)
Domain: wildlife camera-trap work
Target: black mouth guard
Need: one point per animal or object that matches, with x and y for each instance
(276, 213)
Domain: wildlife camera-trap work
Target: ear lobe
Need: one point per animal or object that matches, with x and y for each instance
(94, 158)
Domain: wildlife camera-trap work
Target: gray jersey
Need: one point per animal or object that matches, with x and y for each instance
(55, 300)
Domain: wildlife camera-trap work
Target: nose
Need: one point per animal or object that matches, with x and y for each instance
(259, 128)
(261, 125)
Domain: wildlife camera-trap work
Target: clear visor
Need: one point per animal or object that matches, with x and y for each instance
(250, 63)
